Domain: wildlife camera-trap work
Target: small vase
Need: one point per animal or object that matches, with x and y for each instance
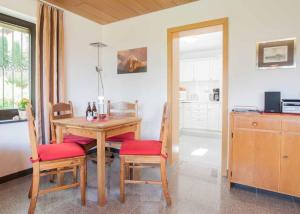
(22, 114)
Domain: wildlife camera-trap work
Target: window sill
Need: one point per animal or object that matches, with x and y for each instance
(11, 121)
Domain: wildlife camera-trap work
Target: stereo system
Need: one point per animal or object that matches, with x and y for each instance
(290, 106)
(272, 102)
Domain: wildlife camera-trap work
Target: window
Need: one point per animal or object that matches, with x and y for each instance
(17, 57)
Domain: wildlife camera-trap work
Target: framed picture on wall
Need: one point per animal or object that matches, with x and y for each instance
(276, 54)
(132, 61)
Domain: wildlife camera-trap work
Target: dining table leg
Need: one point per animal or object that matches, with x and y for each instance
(101, 168)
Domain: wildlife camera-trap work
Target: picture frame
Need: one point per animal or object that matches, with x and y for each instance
(132, 61)
(276, 54)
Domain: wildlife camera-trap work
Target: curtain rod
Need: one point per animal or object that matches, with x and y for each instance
(51, 5)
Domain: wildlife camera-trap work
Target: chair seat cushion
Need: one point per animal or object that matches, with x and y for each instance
(49, 152)
(122, 137)
(78, 139)
(141, 147)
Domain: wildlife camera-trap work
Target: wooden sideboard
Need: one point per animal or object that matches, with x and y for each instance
(265, 151)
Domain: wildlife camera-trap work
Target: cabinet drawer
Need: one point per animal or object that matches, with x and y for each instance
(266, 123)
(291, 125)
(243, 122)
(250, 122)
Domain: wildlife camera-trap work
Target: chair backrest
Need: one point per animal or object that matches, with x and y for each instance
(32, 133)
(59, 111)
(164, 129)
(125, 109)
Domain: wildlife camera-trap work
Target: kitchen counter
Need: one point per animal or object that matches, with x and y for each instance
(201, 102)
(196, 114)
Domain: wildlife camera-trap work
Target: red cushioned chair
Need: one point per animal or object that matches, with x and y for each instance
(122, 109)
(62, 111)
(145, 152)
(53, 159)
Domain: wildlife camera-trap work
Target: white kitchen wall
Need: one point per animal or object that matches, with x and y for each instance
(80, 59)
(249, 22)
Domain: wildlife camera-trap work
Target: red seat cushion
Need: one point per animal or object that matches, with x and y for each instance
(121, 137)
(78, 139)
(141, 147)
(49, 152)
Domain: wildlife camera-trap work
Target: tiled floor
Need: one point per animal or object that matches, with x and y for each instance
(195, 186)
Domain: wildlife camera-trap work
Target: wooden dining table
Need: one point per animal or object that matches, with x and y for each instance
(100, 130)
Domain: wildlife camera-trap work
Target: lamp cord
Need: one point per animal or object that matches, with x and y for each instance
(99, 70)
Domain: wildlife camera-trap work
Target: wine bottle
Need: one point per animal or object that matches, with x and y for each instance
(88, 112)
(94, 111)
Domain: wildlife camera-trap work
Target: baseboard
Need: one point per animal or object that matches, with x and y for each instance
(15, 175)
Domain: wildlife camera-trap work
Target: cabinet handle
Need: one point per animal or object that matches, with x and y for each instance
(254, 124)
(285, 156)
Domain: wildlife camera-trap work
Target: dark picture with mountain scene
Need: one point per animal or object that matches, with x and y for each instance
(132, 61)
(276, 54)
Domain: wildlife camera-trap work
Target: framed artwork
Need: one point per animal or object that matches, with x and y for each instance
(276, 54)
(132, 61)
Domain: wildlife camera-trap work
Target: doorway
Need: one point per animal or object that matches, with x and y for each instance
(199, 102)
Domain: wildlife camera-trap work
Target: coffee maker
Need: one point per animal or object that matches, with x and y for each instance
(216, 94)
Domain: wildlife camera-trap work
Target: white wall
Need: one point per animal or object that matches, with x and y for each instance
(80, 59)
(249, 22)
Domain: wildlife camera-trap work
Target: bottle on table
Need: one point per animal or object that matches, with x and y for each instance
(94, 111)
(89, 113)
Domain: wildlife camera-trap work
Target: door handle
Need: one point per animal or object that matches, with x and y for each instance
(254, 124)
(285, 156)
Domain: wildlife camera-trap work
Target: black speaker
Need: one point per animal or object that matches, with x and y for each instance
(272, 102)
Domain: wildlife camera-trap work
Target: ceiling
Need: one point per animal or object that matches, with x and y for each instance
(108, 11)
(201, 42)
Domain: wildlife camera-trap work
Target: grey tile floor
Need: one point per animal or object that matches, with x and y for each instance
(195, 186)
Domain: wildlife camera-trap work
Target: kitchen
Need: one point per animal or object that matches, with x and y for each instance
(200, 98)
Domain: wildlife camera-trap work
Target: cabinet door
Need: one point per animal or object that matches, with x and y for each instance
(202, 69)
(216, 69)
(181, 115)
(267, 152)
(186, 71)
(290, 164)
(213, 118)
(243, 157)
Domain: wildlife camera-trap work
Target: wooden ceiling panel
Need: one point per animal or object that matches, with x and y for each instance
(112, 8)
(92, 13)
(108, 11)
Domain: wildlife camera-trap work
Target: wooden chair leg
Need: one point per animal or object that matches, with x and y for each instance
(60, 177)
(30, 191)
(127, 172)
(164, 181)
(83, 181)
(86, 168)
(74, 173)
(35, 188)
(52, 178)
(122, 179)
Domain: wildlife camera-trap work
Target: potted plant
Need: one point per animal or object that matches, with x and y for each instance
(22, 108)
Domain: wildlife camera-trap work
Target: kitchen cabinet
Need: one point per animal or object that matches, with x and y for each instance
(243, 159)
(267, 151)
(203, 69)
(264, 152)
(200, 116)
(290, 159)
(213, 116)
